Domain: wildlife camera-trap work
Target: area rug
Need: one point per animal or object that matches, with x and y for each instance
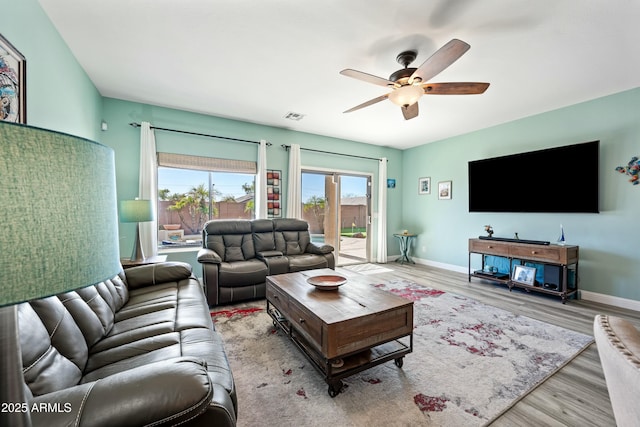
(470, 363)
(367, 269)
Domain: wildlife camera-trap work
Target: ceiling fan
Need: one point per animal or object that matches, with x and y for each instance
(409, 84)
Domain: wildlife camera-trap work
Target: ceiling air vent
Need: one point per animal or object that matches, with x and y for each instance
(293, 116)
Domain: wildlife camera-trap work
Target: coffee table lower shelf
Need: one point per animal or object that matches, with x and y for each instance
(351, 363)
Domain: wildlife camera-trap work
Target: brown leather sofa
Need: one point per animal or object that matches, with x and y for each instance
(238, 255)
(139, 349)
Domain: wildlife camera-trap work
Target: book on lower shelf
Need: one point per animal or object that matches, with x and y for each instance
(491, 274)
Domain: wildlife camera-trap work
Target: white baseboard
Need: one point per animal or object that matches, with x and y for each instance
(585, 295)
(610, 300)
(444, 266)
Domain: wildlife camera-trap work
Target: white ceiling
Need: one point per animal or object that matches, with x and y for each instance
(256, 60)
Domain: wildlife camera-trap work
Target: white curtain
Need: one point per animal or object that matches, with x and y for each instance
(294, 188)
(381, 245)
(148, 189)
(261, 182)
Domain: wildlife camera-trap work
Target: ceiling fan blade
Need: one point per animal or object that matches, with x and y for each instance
(369, 102)
(461, 88)
(369, 78)
(440, 60)
(410, 111)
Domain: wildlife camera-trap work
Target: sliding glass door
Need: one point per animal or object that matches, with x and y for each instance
(337, 206)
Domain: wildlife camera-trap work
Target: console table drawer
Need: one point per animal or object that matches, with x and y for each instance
(489, 248)
(543, 253)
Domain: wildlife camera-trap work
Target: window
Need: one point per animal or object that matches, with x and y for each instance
(193, 190)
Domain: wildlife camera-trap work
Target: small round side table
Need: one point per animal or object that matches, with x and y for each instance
(405, 246)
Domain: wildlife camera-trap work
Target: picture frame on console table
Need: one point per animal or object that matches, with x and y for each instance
(523, 274)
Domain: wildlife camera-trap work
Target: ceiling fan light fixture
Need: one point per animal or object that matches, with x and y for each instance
(406, 95)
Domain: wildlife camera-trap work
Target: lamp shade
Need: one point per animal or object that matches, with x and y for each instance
(58, 204)
(136, 211)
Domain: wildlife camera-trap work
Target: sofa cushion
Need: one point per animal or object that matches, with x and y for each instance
(263, 240)
(233, 253)
(45, 369)
(249, 272)
(291, 235)
(152, 274)
(307, 262)
(219, 235)
(64, 334)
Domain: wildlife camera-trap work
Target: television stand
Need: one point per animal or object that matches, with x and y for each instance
(555, 258)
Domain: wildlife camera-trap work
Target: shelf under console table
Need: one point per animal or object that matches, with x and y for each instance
(557, 260)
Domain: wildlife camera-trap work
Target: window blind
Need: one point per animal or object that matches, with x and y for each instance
(210, 164)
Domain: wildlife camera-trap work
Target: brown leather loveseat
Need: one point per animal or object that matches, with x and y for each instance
(238, 255)
(139, 349)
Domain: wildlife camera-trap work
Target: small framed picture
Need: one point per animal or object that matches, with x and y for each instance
(391, 183)
(523, 274)
(444, 190)
(424, 185)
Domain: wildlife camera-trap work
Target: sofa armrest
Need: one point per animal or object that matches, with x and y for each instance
(268, 254)
(168, 392)
(208, 256)
(152, 274)
(318, 249)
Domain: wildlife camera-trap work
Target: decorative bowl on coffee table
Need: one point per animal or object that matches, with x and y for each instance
(328, 282)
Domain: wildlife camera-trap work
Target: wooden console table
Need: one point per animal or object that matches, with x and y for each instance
(555, 257)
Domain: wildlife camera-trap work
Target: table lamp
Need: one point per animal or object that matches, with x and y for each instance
(136, 211)
(60, 230)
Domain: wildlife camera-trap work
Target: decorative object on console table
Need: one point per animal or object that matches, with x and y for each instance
(444, 190)
(489, 230)
(13, 80)
(424, 185)
(561, 239)
(136, 211)
(63, 198)
(274, 209)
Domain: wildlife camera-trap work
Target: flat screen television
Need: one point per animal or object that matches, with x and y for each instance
(557, 180)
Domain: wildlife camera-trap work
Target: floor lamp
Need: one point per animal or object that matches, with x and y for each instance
(60, 231)
(136, 211)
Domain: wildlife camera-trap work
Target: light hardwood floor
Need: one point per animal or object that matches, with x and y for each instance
(577, 394)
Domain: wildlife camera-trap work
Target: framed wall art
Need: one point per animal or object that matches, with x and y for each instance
(13, 82)
(273, 193)
(444, 190)
(391, 183)
(424, 185)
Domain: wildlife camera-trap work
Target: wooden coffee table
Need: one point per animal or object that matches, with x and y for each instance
(342, 331)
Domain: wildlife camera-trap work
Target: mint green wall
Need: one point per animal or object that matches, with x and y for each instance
(125, 141)
(608, 241)
(60, 96)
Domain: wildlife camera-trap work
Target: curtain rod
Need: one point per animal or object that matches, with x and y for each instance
(137, 125)
(286, 147)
